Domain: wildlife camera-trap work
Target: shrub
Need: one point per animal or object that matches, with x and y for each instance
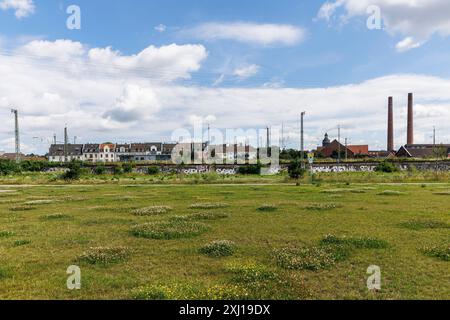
(8, 167)
(250, 273)
(268, 208)
(127, 167)
(99, 170)
(295, 170)
(250, 169)
(153, 170)
(74, 172)
(387, 167)
(105, 255)
(118, 169)
(207, 206)
(150, 211)
(359, 243)
(440, 252)
(174, 229)
(221, 248)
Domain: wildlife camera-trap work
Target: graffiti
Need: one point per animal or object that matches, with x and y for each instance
(226, 172)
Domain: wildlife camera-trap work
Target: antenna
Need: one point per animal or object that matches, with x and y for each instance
(16, 131)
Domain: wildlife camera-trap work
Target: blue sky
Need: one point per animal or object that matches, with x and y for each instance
(333, 53)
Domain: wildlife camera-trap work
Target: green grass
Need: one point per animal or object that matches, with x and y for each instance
(220, 248)
(162, 259)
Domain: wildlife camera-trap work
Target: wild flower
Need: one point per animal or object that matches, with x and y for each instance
(150, 211)
(174, 229)
(220, 248)
(250, 273)
(105, 255)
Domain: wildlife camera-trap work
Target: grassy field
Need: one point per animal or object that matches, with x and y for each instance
(283, 241)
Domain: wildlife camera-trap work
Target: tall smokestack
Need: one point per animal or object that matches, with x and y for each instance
(410, 119)
(390, 142)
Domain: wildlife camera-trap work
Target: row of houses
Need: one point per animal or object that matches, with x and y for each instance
(142, 152)
(331, 149)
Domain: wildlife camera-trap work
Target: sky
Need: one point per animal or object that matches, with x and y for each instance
(139, 70)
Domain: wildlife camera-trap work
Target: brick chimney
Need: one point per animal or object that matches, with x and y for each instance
(410, 119)
(390, 142)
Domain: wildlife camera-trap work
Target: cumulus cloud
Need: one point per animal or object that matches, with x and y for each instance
(415, 20)
(131, 107)
(261, 34)
(22, 8)
(247, 71)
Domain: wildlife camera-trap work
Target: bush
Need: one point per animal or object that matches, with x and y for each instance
(8, 167)
(127, 168)
(250, 169)
(295, 170)
(74, 172)
(153, 170)
(222, 248)
(387, 167)
(101, 169)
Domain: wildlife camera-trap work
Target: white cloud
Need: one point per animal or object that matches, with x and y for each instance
(161, 28)
(407, 44)
(261, 34)
(22, 8)
(415, 20)
(247, 71)
(128, 106)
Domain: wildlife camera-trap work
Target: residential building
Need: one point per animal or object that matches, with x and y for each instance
(57, 152)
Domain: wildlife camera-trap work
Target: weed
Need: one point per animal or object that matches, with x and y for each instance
(268, 208)
(6, 234)
(174, 229)
(151, 211)
(424, 224)
(221, 248)
(207, 206)
(20, 243)
(250, 273)
(358, 243)
(440, 252)
(105, 255)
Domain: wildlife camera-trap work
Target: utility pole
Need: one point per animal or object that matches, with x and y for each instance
(268, 138)
(75, 140)
(65, 145)
(16, 131)
(282, 136)
(302, 139)
(339, 144)
(54, 138)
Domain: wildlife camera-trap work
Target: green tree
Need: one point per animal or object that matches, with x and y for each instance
(295, 170)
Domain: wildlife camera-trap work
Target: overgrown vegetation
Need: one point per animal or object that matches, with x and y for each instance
(296, 170)
(440, 252)
(387, 167)
(358, 243)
